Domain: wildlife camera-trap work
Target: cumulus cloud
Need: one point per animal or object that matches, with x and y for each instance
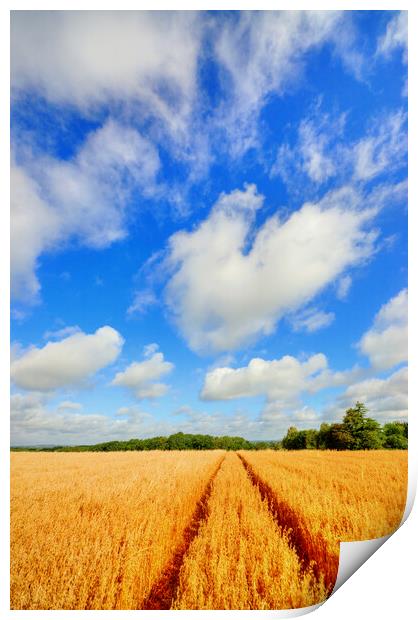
(85, 198)
(387, 399)
(225, 291)
(386, 342)
(279, 380)
(311, 320)
(34, 226)
(67, 362)
(33, 422)
(140, 377)
(276, 418)
(395, 37)
(285, 383)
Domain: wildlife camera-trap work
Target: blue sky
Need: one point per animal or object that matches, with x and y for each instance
(209, 222)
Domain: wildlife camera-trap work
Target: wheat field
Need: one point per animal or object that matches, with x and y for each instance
(193, 529)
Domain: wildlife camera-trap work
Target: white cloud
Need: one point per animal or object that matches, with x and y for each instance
(262, 53)
(317, 165)
(386, 342)
(386, 399)
(285, 381)
(89, 58)
(69, 405)
(85, 198)
(279, 380)
(150, 349)
(274, 416)
(315, 151)
(67, 362)
(223, 293)
(226, 359)
(34, 227)
(343, 287)
(320, 142)
(33, 422)
(311, 320)
(384, 147)
(147, 63)
(395, 37)
(58, 334)
(142, 301)
(139, 376)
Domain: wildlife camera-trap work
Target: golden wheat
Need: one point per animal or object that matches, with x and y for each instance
(329, 497)
(193, 530)
(93, 531)
(241, 559)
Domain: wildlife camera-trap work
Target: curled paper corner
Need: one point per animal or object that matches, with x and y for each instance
(355, 554)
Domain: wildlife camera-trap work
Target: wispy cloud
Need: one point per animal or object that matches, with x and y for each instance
(311, 320)
(343, 287)
(395, 37)
(85, 199)
(63, 332)
(262, 54)
(322, 150)
(142, 302)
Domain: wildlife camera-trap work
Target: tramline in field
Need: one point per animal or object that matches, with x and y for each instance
(195, 529)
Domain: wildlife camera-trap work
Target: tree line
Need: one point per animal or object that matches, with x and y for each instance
(356, 432)
(177, 441)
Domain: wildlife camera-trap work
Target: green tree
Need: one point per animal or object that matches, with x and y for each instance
(371, 435)
(366, 433)
(353, 423)
(322, 440)
(291, 439)
(339, 438)
(396, 435)
(311, 439)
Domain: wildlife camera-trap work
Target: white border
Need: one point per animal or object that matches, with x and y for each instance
(385, 585)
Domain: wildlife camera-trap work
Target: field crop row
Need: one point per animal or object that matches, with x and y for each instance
(327, 498)
(193, 530)
(94, 531)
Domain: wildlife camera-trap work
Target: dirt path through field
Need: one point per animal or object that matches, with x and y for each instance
(312, 550)
(164, 590)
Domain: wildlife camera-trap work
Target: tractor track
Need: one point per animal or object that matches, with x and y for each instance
(312, 550)
(163, 592)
